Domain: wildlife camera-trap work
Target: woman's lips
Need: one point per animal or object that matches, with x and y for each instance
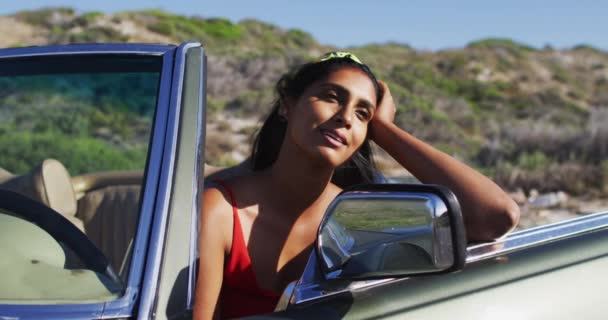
(333, 138)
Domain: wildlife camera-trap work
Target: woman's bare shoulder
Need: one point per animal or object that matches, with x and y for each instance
(227, 173)
(217, 206)
(216, 217)
(216, 196)
(219, 193)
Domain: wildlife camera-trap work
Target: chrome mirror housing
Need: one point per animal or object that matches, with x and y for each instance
(376, 231)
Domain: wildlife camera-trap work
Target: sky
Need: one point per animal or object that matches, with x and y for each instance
(422, 24)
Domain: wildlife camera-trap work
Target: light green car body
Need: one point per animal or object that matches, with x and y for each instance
(551, 272)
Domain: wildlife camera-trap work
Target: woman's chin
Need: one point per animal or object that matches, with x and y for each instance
(330, 157)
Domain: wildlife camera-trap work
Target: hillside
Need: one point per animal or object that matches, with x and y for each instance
(529, 117)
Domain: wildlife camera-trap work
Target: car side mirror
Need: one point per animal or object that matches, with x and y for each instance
(389, 230)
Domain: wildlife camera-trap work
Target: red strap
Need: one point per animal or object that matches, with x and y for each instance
(232, 197)
(239, 275)
(239, 256)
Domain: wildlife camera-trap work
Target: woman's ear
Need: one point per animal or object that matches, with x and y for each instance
(282, 113)
(282, 110)
(284, 105)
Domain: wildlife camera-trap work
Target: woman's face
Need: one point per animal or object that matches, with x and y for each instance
(328, 122)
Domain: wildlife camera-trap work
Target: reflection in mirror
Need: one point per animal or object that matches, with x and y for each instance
(372, 234)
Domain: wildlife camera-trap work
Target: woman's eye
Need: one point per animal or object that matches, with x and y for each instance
(330, 96)
(363, 114)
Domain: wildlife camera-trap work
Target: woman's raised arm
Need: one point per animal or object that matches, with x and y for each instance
(488, 211)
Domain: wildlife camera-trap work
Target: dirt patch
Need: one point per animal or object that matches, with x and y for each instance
(16, 33)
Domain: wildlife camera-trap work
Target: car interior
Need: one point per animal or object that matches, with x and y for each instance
(103, 205)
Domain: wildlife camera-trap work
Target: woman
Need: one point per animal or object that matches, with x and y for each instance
(257, 229)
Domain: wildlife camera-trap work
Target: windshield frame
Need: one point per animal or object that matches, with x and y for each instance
(123, 306)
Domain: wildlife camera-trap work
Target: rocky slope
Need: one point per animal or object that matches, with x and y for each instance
(531, 118)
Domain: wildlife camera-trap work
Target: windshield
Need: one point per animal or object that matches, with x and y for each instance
(74, 134)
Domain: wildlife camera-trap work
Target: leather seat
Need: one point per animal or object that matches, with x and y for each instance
(49, 183)
(105, 205)
(5, 175)
(110, 215)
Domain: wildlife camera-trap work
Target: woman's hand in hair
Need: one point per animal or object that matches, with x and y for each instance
(385, 110)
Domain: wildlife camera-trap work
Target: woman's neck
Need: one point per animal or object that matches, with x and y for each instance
(299, 180)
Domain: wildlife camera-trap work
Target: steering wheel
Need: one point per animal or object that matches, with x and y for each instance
(60, 229)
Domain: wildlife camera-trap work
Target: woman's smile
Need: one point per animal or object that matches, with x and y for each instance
(334, 138)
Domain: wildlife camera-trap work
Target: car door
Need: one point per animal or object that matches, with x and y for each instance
(555, 271)
(173, 265)
(91, 132)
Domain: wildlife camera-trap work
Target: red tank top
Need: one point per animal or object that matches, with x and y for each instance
(241, 295)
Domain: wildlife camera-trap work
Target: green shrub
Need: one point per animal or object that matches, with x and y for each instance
(414, 76)
(163, 27)
(188, 28)
(533, 161)
(88, 18)
(172, 25)
(559, 73)
(508, 44)
(215, 105)
(155, 13)
(588, 48)
(21, 151)
(482, 96)
(121, 123)
(42, 17)
(129, 92)
(92, 15)
(299, 38)
(382, 58)
(222, 29)
(97, 35)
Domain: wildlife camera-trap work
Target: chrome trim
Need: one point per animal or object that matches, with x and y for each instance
(75, 49)
(438, 204)
(313, 291)
(157, 237)
(538, 236)
(123, 306)
(310, 288)
(332, 236)
(52, 312)
(286, 296)
(198, 183)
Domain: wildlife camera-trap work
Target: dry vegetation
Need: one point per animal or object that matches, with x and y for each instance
(530, 118)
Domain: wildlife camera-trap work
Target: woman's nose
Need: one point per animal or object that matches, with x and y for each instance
(345, 116)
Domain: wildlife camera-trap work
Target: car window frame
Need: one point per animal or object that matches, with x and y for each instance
(166, 294)
(148, 211)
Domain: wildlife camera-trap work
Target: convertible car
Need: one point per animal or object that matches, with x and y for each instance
(101, 173)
